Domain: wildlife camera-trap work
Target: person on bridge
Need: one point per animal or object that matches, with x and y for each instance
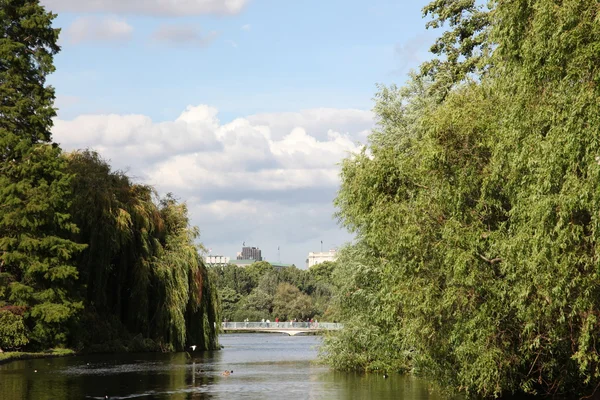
(277, 321)
(268, 323)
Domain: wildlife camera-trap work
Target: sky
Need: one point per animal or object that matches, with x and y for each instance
(241, 108)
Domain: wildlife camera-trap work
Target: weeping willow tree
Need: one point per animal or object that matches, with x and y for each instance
(142, 269)
(477, 209)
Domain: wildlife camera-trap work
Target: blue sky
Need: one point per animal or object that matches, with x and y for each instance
(276, 93)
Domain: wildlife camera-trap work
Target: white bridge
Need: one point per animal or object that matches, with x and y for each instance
(289, 328)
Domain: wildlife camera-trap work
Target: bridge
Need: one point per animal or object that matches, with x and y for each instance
(289, 328)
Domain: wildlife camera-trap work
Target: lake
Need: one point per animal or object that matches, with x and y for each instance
(264, 366)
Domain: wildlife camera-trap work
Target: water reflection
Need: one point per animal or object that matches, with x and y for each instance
(263, 365)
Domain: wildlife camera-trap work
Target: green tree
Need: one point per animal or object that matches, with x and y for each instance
(464, 50)
(322, 272)
(259, 301)
(290, 303)
(13, 333)
(229, 302)
(268, 282)
(476, 214)
(142, 267)
(235, 278)
(35, 254)
(294, 276)
(257, 269)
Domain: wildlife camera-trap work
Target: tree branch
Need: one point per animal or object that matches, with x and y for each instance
(492, 261)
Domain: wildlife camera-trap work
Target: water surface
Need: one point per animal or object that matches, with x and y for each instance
(264, 366)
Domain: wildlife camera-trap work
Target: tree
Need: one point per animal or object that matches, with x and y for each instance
(142, 268)
(259, 301)
(293, 276)
(268, 282)
(257, 269)
(235, 278)
(229, 301)
(476, 214)
(35, 253)
(13, 333)
(290, 303)
(464, 50)
(322, 272)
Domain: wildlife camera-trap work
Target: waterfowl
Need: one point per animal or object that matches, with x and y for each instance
(226, 373)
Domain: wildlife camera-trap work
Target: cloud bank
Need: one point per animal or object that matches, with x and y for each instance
(149, 7)
(96, 29)
(267, 179)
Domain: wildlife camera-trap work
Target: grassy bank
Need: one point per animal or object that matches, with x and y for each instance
(19, 355)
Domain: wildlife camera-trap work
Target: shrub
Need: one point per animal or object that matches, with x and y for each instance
(13, 333)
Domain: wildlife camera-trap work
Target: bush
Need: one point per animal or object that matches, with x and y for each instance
(13, 333)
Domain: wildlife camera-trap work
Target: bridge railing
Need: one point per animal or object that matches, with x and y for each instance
(282, 325)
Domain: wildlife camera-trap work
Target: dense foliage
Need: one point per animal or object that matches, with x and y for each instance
(477, 212)
(260, 291)
(36, 256)
(81, 245)
(142, 271)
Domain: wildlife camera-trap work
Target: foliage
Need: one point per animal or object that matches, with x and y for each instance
(229, 300)
(142, 265)
(36, 255)
(235, 278)
(476, 213)
(464, 49)
(257, 269)
(322, 272)
(259, 301)
(250, 292)
(13, 333)
(290, 303)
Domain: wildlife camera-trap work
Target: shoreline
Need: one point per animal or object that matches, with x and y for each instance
(9, 356)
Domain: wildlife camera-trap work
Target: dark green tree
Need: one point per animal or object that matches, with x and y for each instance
(36, 257)
(143, 272)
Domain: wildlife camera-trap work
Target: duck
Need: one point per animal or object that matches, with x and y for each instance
(226, 373)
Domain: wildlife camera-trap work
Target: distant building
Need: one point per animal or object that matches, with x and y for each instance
(250, 253)
(216, 261)
(315, 258)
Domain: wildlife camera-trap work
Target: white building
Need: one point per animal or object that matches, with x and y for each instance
(216, 261)
(315, 258)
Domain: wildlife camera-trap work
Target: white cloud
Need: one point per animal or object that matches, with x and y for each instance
(179, 35)
(318, 121)
(150, 7)
(246, 27)
(266, 178)
(98, 29)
